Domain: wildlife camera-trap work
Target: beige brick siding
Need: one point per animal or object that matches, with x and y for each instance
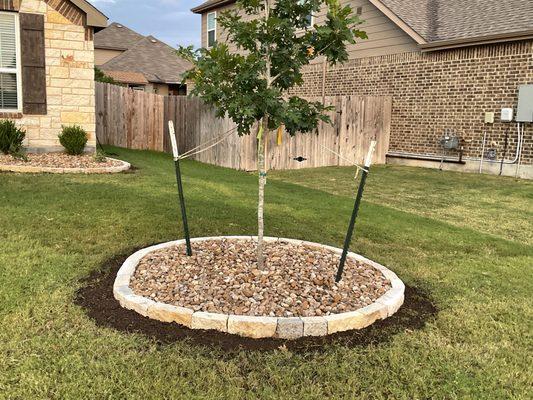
(440, 90)
(69, 77)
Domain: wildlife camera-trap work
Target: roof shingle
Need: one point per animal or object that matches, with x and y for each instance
(437, 20)
(157, 61)
(117, 37)
(127, 77)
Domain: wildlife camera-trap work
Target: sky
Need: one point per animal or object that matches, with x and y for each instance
(171, 21)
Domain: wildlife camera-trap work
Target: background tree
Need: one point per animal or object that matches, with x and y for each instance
(100, 76)
(252, 86)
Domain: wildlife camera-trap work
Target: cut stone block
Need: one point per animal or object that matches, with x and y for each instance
(169, 313)
(290, 328)
(184, 316)
(254, 327)
(315, 326)
(137, 303)
(393, 300)
(347, 321)
(377, 309)
(356, 319)
(206, 321)
(123, 280)
(121, 291)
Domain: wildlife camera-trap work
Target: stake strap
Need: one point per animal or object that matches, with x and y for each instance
(345, 159)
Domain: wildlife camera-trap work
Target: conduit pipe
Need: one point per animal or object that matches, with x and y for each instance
(433, 157)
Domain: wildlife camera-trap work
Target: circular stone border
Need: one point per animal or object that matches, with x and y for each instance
(253, 326)
(30, 169)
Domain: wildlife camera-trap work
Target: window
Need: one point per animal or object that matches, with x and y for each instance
(10, 77)
(211, 29)
(309, 19)
(139, 88)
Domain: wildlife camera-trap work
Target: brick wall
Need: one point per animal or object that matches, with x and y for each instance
(449, 89)
(69, 76)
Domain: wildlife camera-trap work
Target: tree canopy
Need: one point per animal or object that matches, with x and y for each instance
(272, 46)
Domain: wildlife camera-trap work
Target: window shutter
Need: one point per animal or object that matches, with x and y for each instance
(33, 64)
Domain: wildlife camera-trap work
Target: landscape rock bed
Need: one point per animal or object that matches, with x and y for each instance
(61, 163)
(222, 277)
(221, 288)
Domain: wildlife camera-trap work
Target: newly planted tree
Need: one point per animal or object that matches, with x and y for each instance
(252, 85)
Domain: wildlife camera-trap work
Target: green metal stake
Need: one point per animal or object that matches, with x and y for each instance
(355, 212)
(175, 152)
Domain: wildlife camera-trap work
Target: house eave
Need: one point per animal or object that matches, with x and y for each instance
(205, 8)
(100, 47)
(476, 41)
(95, 17)
(399, 22)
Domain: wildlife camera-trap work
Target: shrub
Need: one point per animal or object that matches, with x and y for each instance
(100, 76)
(73, 139)
(11, 138)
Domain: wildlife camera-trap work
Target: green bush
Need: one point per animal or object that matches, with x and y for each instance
(73, 139)
(11, 138)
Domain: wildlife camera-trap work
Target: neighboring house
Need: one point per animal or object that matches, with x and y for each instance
(444, 62)
(47, 67)
(142, 63)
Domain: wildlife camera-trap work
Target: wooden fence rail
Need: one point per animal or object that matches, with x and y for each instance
(138, 120)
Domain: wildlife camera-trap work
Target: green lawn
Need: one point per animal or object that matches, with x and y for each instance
(464, 239)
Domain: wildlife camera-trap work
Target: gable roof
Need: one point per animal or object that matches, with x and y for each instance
(157, 61)
(431, 23)
(446, 20)
(116, 37)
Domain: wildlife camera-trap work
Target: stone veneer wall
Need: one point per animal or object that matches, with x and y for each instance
(439, 90)
(70, 84)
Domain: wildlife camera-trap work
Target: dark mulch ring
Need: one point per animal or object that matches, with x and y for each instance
(96, 297)
(296, 280)
(58, 160)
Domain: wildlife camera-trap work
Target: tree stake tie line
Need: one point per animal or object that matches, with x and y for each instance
(176, 155)
(351, 227)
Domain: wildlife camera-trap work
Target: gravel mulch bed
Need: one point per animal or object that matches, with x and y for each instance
(222, 277)
(58, 160)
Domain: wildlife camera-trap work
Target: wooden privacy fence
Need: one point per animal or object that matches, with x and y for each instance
(138, 120)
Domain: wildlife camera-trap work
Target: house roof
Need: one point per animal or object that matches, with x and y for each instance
(430, 22)
(127, 77)
(210, 5)
(157, 61)
(446, 20)
(116, 37)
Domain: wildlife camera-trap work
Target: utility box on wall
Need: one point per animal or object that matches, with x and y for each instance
(525, 104)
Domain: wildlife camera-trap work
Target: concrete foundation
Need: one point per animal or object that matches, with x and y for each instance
(491, 168)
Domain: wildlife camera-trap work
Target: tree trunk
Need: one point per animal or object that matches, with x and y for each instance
(261, 168)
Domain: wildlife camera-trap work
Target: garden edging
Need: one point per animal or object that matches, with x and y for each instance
(125, 166)
(258, 326)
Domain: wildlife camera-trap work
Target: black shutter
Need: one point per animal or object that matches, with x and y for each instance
(33, 64)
